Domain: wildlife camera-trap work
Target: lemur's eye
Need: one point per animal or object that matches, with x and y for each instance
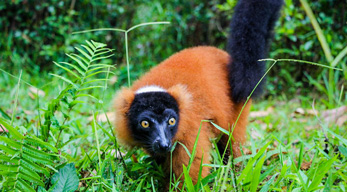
(144, 124)
(172, 121)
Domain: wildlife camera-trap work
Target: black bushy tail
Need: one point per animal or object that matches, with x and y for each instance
(250, 33)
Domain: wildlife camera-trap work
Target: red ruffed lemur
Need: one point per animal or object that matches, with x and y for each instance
(169, 102)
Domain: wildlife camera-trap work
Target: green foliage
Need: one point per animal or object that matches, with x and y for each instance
(25, 160)
(88, 65)
(65, 179)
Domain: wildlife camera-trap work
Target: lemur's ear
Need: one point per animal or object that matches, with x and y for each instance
(182, 96)
(122, 105)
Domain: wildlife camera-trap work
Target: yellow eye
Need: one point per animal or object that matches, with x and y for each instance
(172, 121)
(144, 124)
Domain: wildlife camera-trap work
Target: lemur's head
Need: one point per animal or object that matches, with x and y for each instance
(149, 117)
(153, 119)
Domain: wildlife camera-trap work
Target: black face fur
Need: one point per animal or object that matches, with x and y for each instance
(158, 109)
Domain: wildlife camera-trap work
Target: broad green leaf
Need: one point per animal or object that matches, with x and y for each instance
(66, 179)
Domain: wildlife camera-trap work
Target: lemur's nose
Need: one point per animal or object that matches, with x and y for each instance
(161, 146)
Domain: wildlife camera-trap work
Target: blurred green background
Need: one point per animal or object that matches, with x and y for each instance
(34, 34)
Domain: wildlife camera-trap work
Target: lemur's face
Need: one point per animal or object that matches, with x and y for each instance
(153, 120)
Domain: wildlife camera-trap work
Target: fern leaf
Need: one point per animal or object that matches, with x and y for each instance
(64, 79)
(103, 53)
(68, 70)
(75, 67)
(85, 95)
(91, 45)
(103, 49)
(95, 80)
(73, 103)
(100, 58)
(78, 61)
(15, 134)
(12, 143)
(104, 65)
(89, 57)
(94, 69)
(87, 62)
(37, 153)
(9, 168)
(30, 179)
(88, 49)
(13, 160)
(98, 45)
(32, 140)
(28, 171)
(91, 75)
(91, 87)
(37, 159)
(8, 150)
(23, 186)
(30, 165)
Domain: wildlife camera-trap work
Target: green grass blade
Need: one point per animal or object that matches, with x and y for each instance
(188, 180)
(265, 188)
(322, 170)
(256, 174)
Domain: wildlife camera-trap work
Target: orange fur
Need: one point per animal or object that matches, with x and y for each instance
(197, 78)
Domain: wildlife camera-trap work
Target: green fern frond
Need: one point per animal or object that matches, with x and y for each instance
(22, 164)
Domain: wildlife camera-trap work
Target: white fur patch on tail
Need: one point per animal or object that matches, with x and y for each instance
(150, 88)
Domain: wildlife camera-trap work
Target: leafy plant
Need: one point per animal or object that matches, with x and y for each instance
(24, 160)
(86, 67)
